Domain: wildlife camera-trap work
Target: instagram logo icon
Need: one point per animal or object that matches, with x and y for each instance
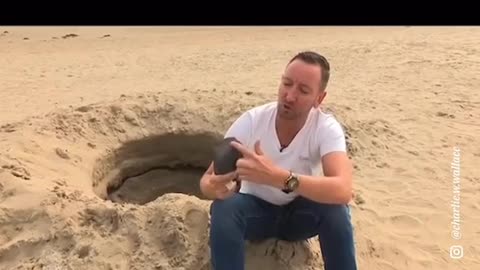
(456, 252)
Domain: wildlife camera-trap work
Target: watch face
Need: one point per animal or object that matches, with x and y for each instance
(293, 183)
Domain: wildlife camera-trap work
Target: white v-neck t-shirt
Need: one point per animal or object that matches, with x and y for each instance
(321, 134)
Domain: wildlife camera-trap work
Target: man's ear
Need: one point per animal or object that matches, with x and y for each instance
(320, 98)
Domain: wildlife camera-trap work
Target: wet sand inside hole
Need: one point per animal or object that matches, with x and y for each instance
(147, 187)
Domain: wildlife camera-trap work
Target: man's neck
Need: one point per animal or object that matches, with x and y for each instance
(288, 129)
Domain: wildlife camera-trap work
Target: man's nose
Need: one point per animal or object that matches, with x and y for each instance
(290, 96)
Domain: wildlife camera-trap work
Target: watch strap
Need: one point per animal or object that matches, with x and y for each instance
(285, 183)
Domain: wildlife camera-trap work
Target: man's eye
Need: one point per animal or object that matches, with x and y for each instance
(304, 91)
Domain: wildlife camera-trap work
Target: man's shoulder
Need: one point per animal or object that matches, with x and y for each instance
(327, 125)
(251, 122)
(328, 134)
(325, 120)
(256, 114)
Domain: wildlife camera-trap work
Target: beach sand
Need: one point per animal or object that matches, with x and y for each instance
(85, 109)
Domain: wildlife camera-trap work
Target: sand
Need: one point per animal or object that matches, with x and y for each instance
(87, 109)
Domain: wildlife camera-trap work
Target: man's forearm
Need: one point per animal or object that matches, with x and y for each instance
(208, 190)
(322, 189)
(205, 188)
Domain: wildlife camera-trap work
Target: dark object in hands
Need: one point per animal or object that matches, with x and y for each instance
(226, 156)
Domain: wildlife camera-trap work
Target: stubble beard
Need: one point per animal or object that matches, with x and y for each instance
(287, 114)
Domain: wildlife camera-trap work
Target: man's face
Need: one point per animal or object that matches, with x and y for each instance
(299, 90)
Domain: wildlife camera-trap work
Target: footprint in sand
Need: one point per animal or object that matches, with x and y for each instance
(395, 186)
(18, 171)
(358, 199)
(83, 251)
(385, 265)
(382, 165)
(70, 36)
(446, 115)
(406, 220)
(84, 108)
(91, 145)
(196, 221)
(413, 152)
(8, 128)
(62, 153)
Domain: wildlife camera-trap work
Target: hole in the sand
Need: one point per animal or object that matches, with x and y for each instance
(150, 185)
(141, 171)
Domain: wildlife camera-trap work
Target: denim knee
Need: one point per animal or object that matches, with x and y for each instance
(229, 211)
(339, 215)
(225, 207)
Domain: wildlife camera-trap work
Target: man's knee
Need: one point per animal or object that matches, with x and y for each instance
(228, 216)
(224, 205)
(334, 213)
(329, 215)
(338, 217)
(227, 207)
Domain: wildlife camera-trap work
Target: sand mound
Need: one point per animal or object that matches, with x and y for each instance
(115, 186)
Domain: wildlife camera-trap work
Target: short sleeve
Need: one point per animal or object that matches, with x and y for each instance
(332, 139)
(241, 128)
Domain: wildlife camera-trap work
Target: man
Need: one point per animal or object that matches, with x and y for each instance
(283, 144)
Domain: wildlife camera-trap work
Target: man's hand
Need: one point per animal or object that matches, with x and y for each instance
(222, 186)
(255, 166)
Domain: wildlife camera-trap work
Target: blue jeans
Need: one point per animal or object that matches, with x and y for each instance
(246, 217)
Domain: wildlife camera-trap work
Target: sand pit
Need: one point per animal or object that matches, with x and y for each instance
(153, 184)
(140, 171)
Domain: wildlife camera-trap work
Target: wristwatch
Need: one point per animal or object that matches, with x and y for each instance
(291, 183)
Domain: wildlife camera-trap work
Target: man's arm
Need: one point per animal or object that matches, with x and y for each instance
(240, 129)
(208, 189)
(204, 183)
(335, 187)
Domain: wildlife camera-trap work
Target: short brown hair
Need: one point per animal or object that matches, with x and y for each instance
(314, 58)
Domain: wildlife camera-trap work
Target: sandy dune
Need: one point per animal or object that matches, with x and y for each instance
(87, 109)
